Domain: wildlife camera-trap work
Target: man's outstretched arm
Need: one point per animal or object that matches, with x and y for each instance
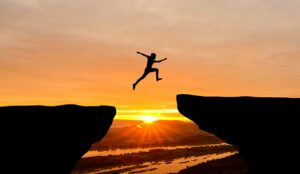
(160, 60)
(142, 54)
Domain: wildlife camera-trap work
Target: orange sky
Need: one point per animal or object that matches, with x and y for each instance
(84, 51)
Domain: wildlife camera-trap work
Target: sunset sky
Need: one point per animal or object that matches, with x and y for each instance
(83, 52)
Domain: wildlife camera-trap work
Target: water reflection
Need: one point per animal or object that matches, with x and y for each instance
(136, 150)
(173, 166)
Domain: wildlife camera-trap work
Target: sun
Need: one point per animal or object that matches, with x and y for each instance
(148, 119)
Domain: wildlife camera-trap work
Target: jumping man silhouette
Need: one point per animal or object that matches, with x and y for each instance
(150, 62)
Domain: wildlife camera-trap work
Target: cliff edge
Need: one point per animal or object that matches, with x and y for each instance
(41, 139)
(263, 129)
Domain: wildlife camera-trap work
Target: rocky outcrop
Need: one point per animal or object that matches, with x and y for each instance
(263, 129)
(40, 139)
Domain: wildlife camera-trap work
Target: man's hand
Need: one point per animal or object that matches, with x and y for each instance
(165, 58)
(138, 52)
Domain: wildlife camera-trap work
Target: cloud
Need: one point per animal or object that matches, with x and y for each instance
(235, 44)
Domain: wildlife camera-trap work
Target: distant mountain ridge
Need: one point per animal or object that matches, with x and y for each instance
(157, 133)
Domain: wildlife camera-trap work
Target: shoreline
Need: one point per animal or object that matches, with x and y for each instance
(105, 148)
(157, 155)
(120, 151)
(229, 165)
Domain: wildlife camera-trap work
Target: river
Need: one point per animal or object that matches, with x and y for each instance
(136, 150)
(162, 167)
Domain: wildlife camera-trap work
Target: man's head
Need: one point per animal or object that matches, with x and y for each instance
(153, 55)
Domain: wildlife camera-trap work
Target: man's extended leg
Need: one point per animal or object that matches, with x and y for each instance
(141, 78)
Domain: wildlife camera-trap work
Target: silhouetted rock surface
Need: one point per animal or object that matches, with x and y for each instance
(39, 139)
(263, 129)
(229, 165)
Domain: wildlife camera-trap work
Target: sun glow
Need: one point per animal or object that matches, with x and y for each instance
(148, 119)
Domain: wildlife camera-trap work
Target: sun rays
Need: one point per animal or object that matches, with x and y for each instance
(153, 127)
(150, 131)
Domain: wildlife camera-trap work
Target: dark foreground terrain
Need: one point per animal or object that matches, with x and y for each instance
(40, 139)
(263, 129)
(229, 165)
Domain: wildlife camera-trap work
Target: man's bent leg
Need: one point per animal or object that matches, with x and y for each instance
(157, 74)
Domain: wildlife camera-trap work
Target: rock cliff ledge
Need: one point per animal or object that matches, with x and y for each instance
(40, 139)
(264, 130)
